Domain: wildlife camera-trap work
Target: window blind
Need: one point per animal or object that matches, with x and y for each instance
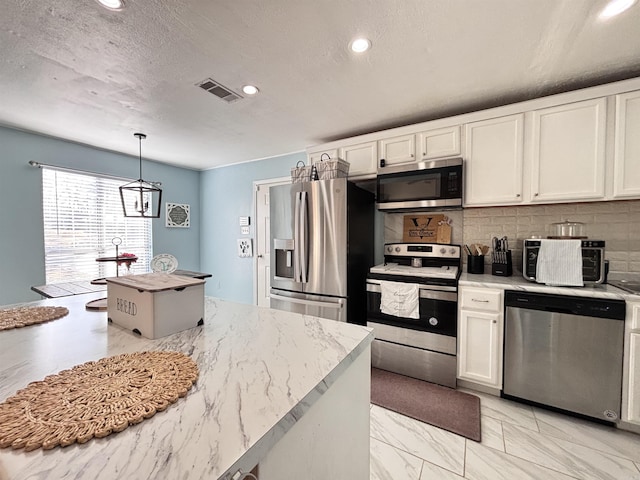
(82, 215)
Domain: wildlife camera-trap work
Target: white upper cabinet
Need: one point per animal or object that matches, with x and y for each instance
(443, 142)
(626, 176)
(362, 158)
(494, 158)
(315, 157)
(568, 159)
(398, 150)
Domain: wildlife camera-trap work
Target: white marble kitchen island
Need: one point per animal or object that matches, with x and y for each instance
(286, 392)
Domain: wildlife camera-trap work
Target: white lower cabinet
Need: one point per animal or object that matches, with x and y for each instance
(631, 375)
(480, 335)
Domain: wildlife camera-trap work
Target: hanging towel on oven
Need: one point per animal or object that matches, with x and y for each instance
(560, 263)
(400, 299)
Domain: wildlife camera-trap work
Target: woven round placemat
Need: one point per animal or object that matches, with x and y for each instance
(94, 399)
(24, 316)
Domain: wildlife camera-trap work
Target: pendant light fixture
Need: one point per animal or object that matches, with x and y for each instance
(139, 198)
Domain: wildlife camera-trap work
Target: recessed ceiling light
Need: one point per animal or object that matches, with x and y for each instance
(360, 45)
(112, 4)
(250, 89)
(616, 7)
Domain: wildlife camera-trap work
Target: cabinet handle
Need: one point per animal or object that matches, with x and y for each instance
(518, 195)
(411, 155)
(481, 301)
(535, 194)
(424, 154)
(494, 321)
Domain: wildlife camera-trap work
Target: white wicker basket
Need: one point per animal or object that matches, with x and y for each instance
(329, 168)
(301, 173)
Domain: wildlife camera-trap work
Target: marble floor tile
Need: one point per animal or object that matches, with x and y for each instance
(434, 472)
(505, 410)
(484, 463)
(388, 462)
(590, 434)
(491, 433)
(566, 457)
(432, 444)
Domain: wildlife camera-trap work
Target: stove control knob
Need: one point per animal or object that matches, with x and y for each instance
(433, 321)
(452, 251)
(389, 249)
(397, 249)
(443, 251)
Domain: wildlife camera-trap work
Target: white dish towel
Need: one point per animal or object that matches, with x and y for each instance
(560, 263)
(400, 299)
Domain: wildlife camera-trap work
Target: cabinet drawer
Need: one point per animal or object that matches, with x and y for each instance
(481, 299)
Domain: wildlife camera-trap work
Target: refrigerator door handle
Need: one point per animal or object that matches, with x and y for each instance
(304, 238)
(297, 274)
(313, 303)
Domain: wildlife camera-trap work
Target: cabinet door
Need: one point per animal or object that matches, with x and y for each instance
(315, 157)
(443, 142)
(493, 170)
(398, 150)
(634, 378)
(362, 158)
(480, 347)
(626, 176)
(568, 161)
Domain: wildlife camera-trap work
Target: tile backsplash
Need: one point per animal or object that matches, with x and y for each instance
(617, 223)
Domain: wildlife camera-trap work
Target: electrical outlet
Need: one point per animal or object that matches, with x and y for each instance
(244, 230)
(245, 248)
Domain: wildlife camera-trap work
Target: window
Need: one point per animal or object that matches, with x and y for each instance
(82, 215)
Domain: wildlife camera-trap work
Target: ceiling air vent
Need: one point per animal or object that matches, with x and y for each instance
(219, 91)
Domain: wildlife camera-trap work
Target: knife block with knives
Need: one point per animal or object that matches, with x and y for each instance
(501, 262)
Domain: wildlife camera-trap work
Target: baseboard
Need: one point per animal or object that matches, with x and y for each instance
(478, 387)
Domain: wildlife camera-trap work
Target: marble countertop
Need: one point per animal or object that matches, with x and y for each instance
(260, 371)
(517, 282)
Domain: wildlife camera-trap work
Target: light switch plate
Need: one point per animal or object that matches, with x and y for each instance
(244, 221)
(244, 230)
(245, 248)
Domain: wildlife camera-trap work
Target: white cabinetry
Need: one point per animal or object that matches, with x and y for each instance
(480, 334)
(362, 157)
(568, 160)
(626, 177)
(315, 157)
(398, 150)
(494, 159)
(631, 377)
(442, 142)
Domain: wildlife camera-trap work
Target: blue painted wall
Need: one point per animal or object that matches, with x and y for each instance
(226, 195)
(21, 231)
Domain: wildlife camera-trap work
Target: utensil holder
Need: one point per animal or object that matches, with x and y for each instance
(475, 264)
(501, 264)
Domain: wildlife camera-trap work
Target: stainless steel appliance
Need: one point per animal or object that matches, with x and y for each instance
(322, 248)
(630, 286)
(425, 347)
(423, 185)
(593, 266)
(565, 352)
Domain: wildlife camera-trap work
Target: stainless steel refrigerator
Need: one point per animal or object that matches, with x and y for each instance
(322, 248)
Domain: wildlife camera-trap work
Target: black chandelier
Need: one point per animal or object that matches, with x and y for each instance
(139, 198)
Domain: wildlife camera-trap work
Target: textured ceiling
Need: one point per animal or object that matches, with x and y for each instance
(74, 70)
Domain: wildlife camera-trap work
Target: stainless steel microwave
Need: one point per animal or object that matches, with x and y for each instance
(593, 269)
(427, 185)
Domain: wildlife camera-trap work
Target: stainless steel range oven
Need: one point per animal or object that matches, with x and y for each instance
(422, 345)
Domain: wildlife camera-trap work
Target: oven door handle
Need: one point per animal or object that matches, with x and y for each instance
(375, 287)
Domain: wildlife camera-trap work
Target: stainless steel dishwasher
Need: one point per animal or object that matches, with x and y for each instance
(564, 352)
